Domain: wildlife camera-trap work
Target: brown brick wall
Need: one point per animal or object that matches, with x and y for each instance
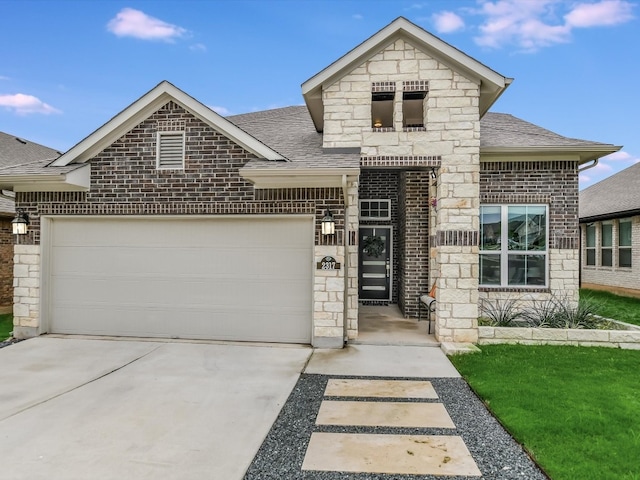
(125, 181)
(413, 214)
(554, 183)
(6, 263)
(383, 184)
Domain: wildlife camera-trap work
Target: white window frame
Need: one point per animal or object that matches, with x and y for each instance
(610, 248)
(369, 217)
(159, 160)
(503, 252)
(593, 248)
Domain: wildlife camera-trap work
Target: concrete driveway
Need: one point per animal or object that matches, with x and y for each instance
(86, 408)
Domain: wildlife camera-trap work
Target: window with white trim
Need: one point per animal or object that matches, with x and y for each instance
(624, 243)
(591, 245)
(375, 209)
(513, 245)
(606, 244)
(170, 150)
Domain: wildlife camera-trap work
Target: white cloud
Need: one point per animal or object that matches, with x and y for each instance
(2, 77)
(198, 47)
(135, 23)
(220, 110)
(447, 22)
(533, 24)
(357, 16)
(25, 104)
(606, 12)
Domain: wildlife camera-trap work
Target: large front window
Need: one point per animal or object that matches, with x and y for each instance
(513, 245)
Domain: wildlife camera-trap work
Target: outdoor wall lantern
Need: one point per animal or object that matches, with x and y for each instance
(20, 222)
(328, 224)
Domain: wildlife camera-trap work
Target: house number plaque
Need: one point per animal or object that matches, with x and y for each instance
(328, 263)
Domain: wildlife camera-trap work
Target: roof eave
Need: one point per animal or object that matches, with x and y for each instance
(491, 81)
(581, 153)
(297, 177)
(78, 180)
(145, 106)
(610, 215)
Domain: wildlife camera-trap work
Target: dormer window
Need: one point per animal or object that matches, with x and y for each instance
(382, 98)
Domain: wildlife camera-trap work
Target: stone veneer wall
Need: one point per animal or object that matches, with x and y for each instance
(554, 183)
(613, 276)
(6, 265)
(351, 256)
(451, 135)
(125, 181)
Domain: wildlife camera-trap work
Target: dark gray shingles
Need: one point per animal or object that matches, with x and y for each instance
(616, 194)
(17, 151)
(38, 168)
(504, 130)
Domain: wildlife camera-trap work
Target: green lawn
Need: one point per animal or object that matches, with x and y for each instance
(625, 309)
(6, 326)
(575, 409)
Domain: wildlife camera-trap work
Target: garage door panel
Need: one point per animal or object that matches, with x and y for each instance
(230, 279)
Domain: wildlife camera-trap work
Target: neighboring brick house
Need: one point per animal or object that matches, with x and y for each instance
(13, 151)
(610, 233)
(172, 221)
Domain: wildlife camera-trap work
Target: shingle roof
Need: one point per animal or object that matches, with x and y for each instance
(504, 130)
(290, 132)
(613, 196)
(38, 168)
(17, 151)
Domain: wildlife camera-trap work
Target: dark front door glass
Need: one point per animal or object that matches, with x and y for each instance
(374, 263)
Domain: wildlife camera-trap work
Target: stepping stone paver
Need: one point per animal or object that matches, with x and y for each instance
(392, 454)
(380, 388)
(384, 414)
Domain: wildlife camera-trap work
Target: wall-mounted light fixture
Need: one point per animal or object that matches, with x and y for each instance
(328, 223)
(20, 223)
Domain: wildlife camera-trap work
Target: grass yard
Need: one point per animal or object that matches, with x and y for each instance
(6, 326)
(625, 309)
(575, 409)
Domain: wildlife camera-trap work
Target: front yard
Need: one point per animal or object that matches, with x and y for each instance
(609, 305)
(574, 409)
(6, 326)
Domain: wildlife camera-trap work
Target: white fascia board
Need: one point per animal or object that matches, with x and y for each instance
(302, 177)
(432, 44)
(580, 153)
(78, 180)
(145, 106)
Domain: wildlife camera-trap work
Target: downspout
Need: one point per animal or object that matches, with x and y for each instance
(587, 167)
(345, 318)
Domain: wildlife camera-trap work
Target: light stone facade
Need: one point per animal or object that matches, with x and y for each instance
(329, 299)
(451, 131)
(26, 291)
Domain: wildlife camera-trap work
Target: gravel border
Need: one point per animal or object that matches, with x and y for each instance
(496, 453)
(10, 341)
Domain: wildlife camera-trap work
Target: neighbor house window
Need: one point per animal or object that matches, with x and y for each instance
(170, 150)
(606, 245)
(375, 209)
(591, 245)
(413, 109)
(624, 243)
(513, 245)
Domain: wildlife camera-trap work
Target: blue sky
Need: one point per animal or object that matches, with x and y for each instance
(67, 67)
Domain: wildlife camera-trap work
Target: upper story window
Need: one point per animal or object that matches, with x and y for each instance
(383, 96)
(170, 150)
(513, 245)
(591, 245)
(414, 97)
(624, 243)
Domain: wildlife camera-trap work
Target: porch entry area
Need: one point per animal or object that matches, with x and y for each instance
(386, 325)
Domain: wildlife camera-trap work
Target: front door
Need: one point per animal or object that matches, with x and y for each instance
(374, 262)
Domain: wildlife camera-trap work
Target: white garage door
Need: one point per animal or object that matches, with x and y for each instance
(247, 278)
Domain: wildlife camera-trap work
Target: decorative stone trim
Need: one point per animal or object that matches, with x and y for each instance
(460, 238)
(383, 129)
(625, 339)
(401, 161)
(514, 198)
(414, 129)
(415, 86)
(383, 87)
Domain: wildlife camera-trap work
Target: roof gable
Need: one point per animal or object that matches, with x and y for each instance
(492, 84)
(145, 106)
